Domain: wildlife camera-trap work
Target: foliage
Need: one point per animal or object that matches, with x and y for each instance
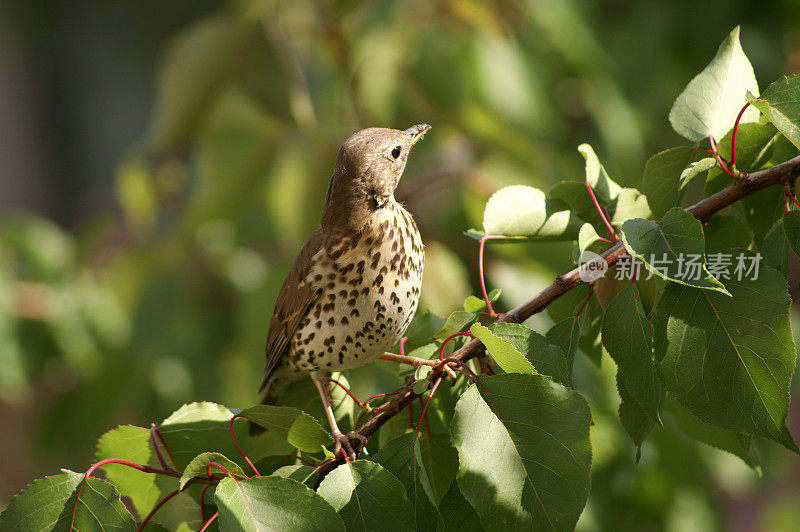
(711, 358)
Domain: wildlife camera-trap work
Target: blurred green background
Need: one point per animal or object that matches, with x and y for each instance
(162, 162)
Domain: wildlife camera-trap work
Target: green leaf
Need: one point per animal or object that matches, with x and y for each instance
(780, 104)
(665, 247)
(726, 232)
(367, 497)
(566, 334)
(440, 458)
(735, 443)
(754, 144)
(272, 503)
(628, 337)
(524, 452)
(622, 203)
(661, 182)
(402, 458)
(455, 323)
(200, 427)
(548, 359)
(761, 209)
(695, 169)
(588, 239)
(134, 444)
(568, 304)
(521, 210)
(421, 384)
(775, 248)
(197, 467)
(709, 104)
(301, 430)
(791, 226)
(423, 326)
(476, 304)
(636, 422)
(629, 204)
(66, 502)
(305, 474)
(457, 514)
(503, 352)
(304, 396)
(730, 359)
(605, 188)
(590, 341)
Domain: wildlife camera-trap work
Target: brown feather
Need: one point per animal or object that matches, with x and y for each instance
(296, 296)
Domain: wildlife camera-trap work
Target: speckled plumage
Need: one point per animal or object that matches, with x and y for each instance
(354, 286)
(366, 288)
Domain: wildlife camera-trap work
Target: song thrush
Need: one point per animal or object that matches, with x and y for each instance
(353, 288)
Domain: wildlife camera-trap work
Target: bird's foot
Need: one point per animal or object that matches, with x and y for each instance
(343, 443)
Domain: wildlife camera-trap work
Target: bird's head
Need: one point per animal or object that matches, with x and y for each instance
(368, 167)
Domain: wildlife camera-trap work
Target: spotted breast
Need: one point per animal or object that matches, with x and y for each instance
(367, 286)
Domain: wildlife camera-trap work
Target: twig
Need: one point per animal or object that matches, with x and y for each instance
(238, 447)
(716, 154)
(733, 135)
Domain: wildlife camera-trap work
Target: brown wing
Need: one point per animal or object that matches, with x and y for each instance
(294, 299)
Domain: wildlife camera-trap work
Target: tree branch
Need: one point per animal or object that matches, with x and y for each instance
(784, 173)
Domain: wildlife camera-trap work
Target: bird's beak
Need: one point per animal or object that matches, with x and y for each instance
(417, 132)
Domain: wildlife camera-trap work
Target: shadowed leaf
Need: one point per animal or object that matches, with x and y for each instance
(729, 360)
(524, 452)
(367, 497)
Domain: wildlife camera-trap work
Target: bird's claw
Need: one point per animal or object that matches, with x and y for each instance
(343, 443)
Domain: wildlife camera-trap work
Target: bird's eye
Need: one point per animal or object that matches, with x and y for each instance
(396, 152)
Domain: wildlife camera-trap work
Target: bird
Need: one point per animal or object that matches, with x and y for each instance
(354, 287)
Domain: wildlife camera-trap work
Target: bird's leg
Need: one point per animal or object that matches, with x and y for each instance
(416, 362)
(342, 440)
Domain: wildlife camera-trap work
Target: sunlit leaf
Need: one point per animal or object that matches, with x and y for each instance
(197, 467)
(455, 322)
(272, 503)
(522, 210)
(299, 429)
(503, 352)
(547, 358)
(68, 501)
(475, 304)
(709, 104)
(201, 427)
(134, 444)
